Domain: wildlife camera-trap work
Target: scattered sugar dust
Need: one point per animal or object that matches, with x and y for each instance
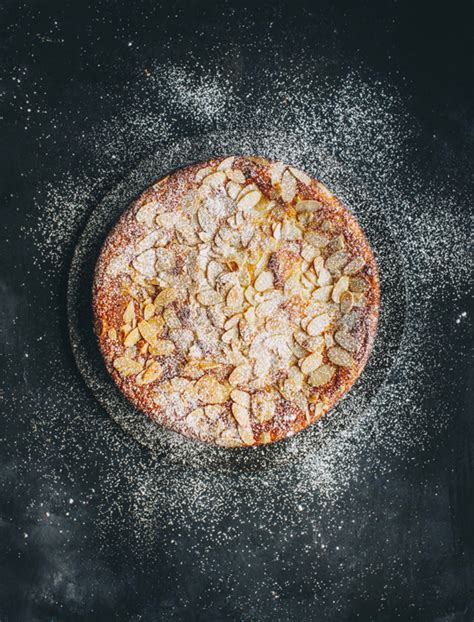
(355, 137)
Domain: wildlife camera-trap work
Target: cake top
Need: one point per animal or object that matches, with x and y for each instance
(236, 301)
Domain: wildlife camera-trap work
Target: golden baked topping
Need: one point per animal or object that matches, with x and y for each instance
(238, 301)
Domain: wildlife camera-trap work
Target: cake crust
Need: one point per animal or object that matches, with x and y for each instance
(236, 301)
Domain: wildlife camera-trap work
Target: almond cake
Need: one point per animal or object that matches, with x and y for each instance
(236, 301)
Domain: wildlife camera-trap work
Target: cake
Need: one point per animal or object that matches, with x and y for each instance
(236, 301)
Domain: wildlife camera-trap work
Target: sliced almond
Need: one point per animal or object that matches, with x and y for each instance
(163, 347)
(336, 261)
(346, 301)
(319, 324)
(152, 373)
(340, 357)
(263, 407)
(230, 335)
(226, 163)
(215, 179)
(213, 411)
(249, 200)
(235, 297)
(132, 338)
(346, 340)
(308, 206)
(241, 397)
(236, 175)
(127, 366)
(165, 297)
(276, 171)
(210, 391)
(233, 189)
(246, 434)
(129, 314)
(145, 263)
(264, 281)
(324, 277)
(149, 311)
(288, 187)
(209, 297)
(300, 176)
(241, 414)
(112, 334)
(148, 332)
(321, 376)
(165, 259)
(341, 286)
(203, 172)
(322, 294)
(311, 362)
(358, 285)
(240, 375)
(318, 240)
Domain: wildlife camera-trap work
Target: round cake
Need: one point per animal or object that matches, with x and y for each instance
(236, 301)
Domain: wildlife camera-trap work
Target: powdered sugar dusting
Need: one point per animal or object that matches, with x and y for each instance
(355, 138)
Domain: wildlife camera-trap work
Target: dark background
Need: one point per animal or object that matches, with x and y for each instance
(72, 60)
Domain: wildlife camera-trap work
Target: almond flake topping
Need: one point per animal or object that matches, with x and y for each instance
(245, 297)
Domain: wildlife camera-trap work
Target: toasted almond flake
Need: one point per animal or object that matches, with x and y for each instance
(240, 375)
(226, 163)
(358, 285)
(290, 231)
(249, 200)
(263, 407)
(346, 340)
(276, 228)
(318, 240)
(319, 324)
(236, 175)
(336, 261)
(206, 220)
(163, 347)
(167, 220)
(203, 172)
(232, 321)
(311, 362)
(308, 252)
(165, 259)
(127, 366)
(264, 281)
(235, 297)
(213, 411)
(321, 376)
(328, 340)
(241, 414)
(210, 391)
(265, 437)
(346, 301)
(147, 213)
(230, 335)
(276, 171)
(112, 334)
(308, 206)
(233, 189)
(215, 179)
(288, 187)
(340, 357)
(354, 266)
(149, 311)
(249, 295)
(165, 297)
(324, 277)
(152, 373)
(148, 332)
(157, 322)
(322, 294)
(129, 313)
(132, 338)
(241, 397)
(209, 297)
(246, 434)
(341, 286)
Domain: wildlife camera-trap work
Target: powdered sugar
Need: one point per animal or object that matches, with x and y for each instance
(355, 138)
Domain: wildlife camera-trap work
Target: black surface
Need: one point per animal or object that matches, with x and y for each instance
(73, 60)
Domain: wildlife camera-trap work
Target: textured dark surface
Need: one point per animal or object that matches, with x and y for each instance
(406, 550)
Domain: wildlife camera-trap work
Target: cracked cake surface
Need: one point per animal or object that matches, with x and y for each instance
(236, 301)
